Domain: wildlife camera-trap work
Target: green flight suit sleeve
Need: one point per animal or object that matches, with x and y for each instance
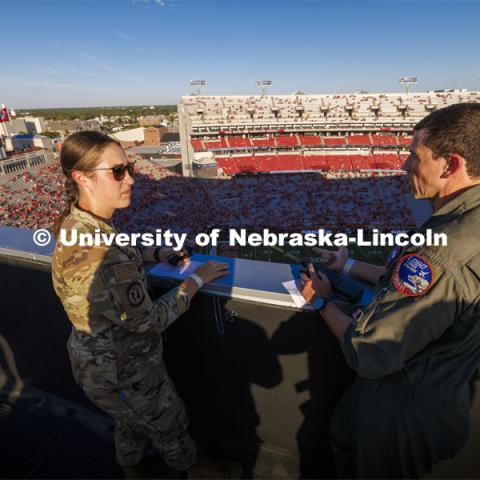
(394, 327)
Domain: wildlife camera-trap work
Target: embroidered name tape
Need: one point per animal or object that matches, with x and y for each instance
(413, 275)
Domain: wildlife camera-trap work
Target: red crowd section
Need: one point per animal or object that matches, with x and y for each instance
(292, 141)
(34, 199)
(290, 202)
(277, 163)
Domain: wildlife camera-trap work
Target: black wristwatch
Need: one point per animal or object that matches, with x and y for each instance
(320, 303)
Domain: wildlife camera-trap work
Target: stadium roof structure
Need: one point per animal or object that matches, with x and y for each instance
(135, 134)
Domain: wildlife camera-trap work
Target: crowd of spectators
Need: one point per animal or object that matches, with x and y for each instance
(33, 199)
(280, 202)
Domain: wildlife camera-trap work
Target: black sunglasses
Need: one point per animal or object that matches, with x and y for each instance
(119, 170)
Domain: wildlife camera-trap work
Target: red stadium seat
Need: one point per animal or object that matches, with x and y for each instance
(287, 141)
(215, 144)
(239, 142)
(315, 162)
(385, 140)
(333, 141)
(362, 162)
(290, 162)
(245, 164)
(227, 165)
(339, 162)
(263, 142)
(197, 144)
(405, 141)
(310, 140)
(359, 140)
(267, 163)
(388, 161)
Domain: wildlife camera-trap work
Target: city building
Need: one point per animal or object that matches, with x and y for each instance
(14, 126)
(27, 142)
(35, 124)
(159, 135)
(153, 135)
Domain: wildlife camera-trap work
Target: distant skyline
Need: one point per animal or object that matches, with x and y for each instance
(90, 53)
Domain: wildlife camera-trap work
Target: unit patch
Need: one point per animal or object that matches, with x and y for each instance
(413, 275)
(136, 294)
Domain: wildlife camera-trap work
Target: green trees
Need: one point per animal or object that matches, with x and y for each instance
(89, 113)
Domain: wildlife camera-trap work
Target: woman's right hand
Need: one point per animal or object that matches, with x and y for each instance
(211, 270)
(333, 260)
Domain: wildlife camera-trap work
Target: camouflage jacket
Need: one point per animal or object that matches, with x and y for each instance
(116, 338)
(425, 316)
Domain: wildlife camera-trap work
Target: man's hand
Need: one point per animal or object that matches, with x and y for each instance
(318, 285)
(334, 261)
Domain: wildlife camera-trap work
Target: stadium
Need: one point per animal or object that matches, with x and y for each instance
(299, 132)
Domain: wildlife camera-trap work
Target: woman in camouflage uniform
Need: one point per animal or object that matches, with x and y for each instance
(116, 343)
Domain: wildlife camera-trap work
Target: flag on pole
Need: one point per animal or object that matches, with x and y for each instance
(4, 115)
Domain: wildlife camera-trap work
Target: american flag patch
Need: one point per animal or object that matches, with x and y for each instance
(125, 271)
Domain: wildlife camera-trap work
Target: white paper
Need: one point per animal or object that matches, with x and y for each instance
(181, 272)
(293, 288)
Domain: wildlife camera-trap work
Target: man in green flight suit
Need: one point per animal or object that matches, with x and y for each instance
(417, 344)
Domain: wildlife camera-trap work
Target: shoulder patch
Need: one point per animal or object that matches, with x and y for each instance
(413, 275)
(136, 294)
(125, 271)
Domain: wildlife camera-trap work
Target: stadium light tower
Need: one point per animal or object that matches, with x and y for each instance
(263, 84)
(408, 81)
(198, 84)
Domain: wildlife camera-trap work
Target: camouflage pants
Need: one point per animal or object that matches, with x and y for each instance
(148, 409)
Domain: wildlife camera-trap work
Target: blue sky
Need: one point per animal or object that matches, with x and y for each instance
(59, 53)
